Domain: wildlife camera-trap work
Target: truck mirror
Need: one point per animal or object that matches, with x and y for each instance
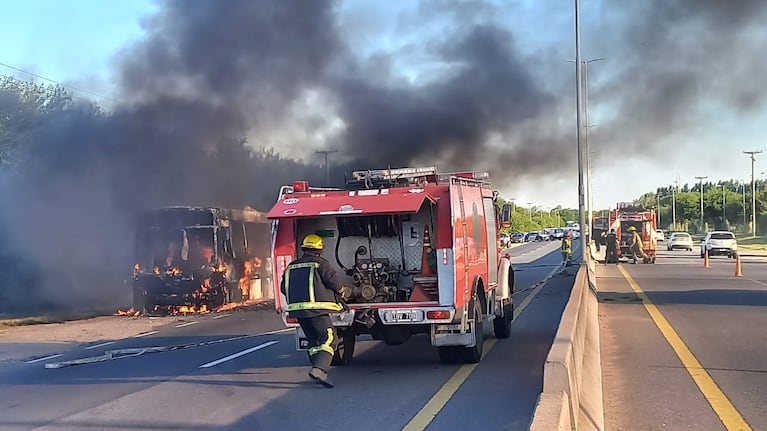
(506, 216)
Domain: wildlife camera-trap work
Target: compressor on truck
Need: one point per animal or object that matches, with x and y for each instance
(418, 250)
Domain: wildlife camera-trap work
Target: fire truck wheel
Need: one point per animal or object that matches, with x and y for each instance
(472, 355)
(344, 350)
(502, 325)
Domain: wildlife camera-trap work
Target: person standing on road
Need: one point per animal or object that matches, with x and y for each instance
(313, 290)
(567, 248)
(635, 245)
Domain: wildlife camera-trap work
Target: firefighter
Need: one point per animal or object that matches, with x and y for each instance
(313, 290)
(611, 244)
(567, 248)
(636, 246)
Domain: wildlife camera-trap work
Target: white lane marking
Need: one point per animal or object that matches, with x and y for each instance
(186, 324)
(237, 355)
(145, 334)
(221, 316)
(278, 331)
(100, 345)
(44, 359)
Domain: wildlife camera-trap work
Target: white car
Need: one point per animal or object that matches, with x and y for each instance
(681, 240)
(719, 242)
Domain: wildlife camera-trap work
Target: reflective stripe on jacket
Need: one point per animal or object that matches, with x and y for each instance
(567, 245)
(310, 286)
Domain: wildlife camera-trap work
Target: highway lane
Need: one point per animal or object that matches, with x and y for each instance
(720, 321)
(231, 385)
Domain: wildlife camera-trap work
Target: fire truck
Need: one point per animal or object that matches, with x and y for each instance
(419, 250)
(628, 214)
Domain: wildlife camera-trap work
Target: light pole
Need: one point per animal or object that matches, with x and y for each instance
(513, 208)
(700, 179)
(657, 196)
(530, 210)
(579, 126)
(743, 186)
(724, 205)
(327, 166)
(753, 190)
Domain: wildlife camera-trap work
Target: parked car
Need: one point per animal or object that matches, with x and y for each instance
(659, 235)
(719, 243)
(533, 236)
(680, 240)
(518, 237)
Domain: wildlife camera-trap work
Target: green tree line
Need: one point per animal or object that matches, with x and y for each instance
(524, 219)
(726, 205)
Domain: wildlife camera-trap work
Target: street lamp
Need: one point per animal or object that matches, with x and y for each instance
(724, 205)
(702, 228)
(753, 190)
(327, 166)
(530, 210)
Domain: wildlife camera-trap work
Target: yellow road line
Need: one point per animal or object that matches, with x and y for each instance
(431, 409)
(724, 409)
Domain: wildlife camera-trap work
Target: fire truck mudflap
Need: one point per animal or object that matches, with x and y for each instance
(418, 250)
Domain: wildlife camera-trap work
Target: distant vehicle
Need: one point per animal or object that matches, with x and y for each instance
(660, 235)
(719, 243)
(518, 237)
(533, 236)
(680, 240)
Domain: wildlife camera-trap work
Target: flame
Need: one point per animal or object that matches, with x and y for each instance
(191, 309)
(207, 252)
(137, 267)
(174, 271)
(156, 270)
(128, 312)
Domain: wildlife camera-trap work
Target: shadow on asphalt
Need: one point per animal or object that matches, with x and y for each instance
(733, 297)
(514, 369)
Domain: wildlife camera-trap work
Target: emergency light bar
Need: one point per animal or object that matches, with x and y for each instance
(393, 174)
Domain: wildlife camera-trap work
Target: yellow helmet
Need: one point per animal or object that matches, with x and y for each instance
(632, 228)
(313, 241)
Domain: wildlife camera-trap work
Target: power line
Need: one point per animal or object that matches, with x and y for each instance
(58, 83)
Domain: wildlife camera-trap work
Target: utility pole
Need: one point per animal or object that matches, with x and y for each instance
(579, 126)
(657, 195)
(587, 143)
(327, 166)
(530, 210)
(702, 228)
(753, 190)
(743, 186)
(724, 205)
(673, 203)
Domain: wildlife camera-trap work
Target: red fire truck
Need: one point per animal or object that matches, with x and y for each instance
(420, 251)
(630, 214)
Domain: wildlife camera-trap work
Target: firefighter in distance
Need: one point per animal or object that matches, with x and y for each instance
(567, 249)
(313, 290)
(636, 246)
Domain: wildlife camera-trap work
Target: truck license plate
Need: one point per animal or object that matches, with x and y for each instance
(405, 316)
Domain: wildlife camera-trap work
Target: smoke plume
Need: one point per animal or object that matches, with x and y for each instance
(223, 102)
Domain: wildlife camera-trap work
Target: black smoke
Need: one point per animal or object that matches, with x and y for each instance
(222, 102)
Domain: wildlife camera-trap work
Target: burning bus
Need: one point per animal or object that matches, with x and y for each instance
(195, 259)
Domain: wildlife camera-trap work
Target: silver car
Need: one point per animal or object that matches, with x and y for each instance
(719, 243)
(680, 240)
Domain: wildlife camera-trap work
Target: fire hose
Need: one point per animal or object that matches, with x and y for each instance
(110, 355)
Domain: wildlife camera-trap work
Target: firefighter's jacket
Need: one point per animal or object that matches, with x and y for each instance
(311, 287)
(567, 245)
(636, 241)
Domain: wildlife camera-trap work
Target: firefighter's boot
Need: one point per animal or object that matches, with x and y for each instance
(321, 377)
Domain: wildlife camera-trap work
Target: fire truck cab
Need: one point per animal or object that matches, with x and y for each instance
(419, 251)
(632, 215)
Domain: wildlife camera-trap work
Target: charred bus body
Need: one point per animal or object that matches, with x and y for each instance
(199, 257)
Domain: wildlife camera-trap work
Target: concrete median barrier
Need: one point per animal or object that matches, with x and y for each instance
(572, 376)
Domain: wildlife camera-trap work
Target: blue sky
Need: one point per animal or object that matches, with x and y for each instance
(76, 42)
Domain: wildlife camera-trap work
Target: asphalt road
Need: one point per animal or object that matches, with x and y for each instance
(234, 380)
(714, 375)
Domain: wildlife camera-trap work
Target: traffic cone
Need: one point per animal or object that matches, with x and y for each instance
(426, 270)
(425, 283)
(705, 260)
(738, 271)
